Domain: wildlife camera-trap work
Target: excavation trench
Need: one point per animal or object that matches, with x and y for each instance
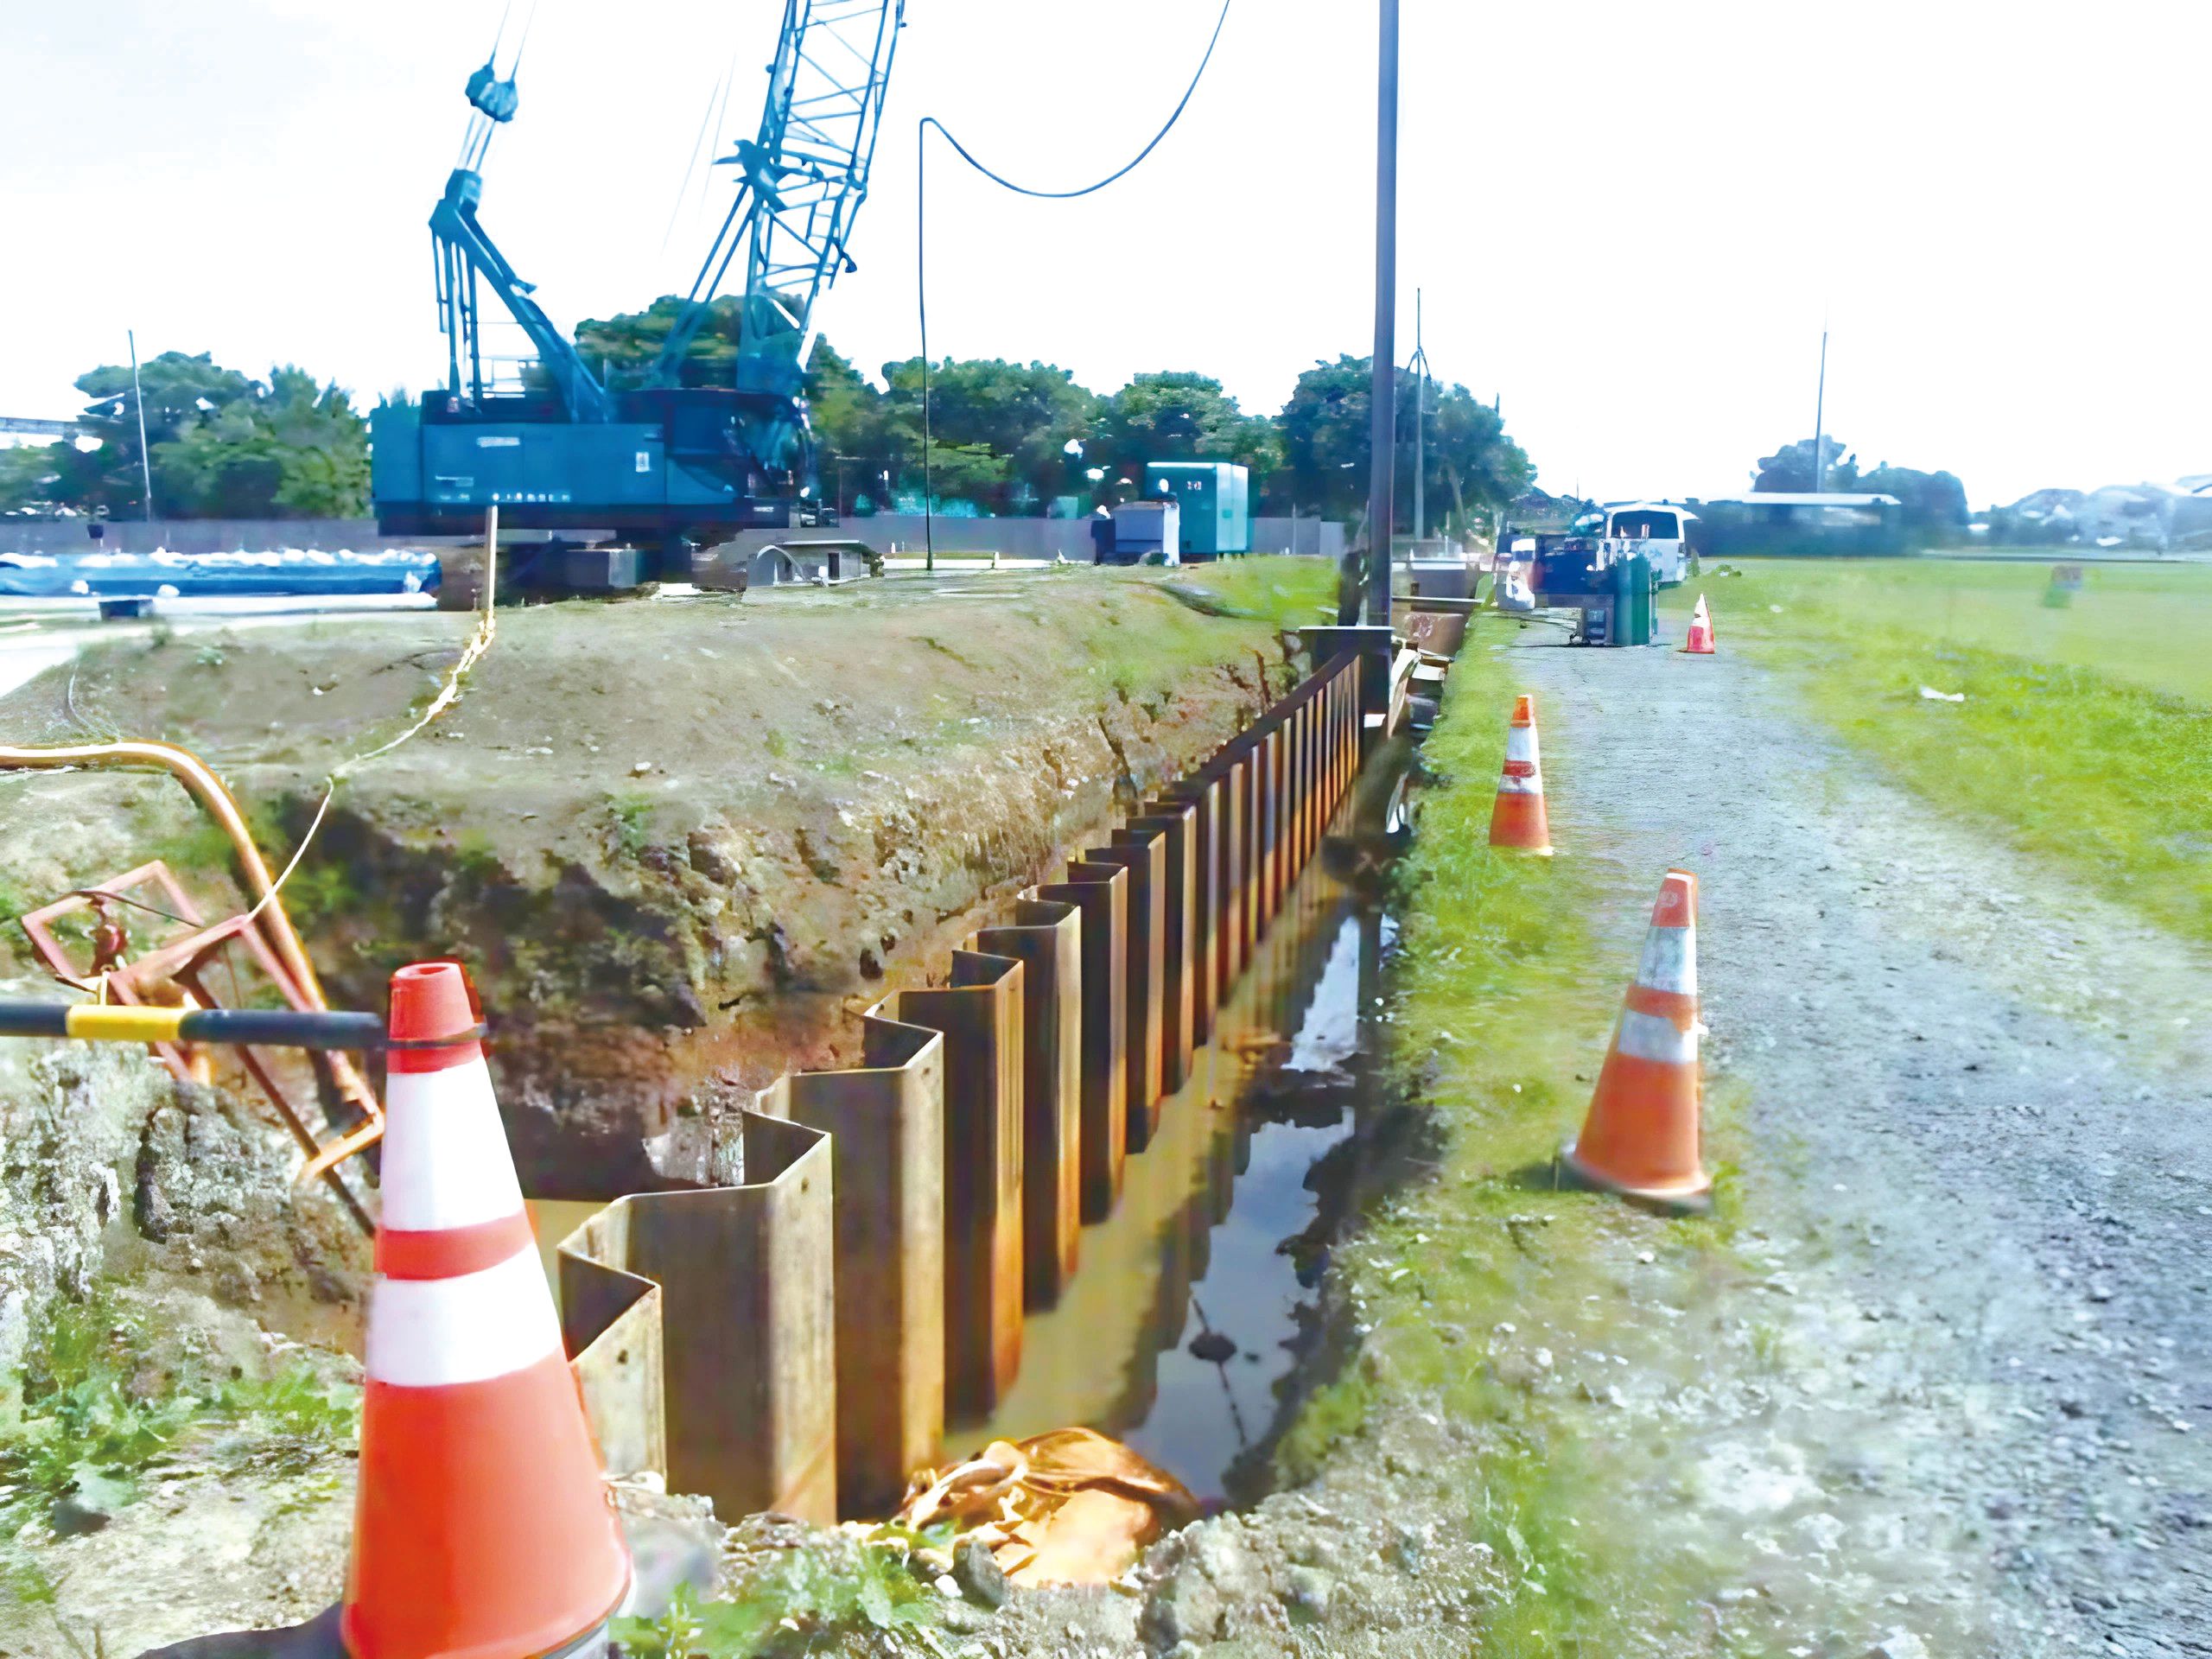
(1194, 1300)
(1197, 1297)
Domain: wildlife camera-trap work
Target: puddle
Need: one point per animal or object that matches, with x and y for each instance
(1220, 1235)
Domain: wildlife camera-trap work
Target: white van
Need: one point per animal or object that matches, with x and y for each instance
(1657, 530)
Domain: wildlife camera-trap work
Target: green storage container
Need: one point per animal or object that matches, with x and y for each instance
(1215, 499)
(1634, 584)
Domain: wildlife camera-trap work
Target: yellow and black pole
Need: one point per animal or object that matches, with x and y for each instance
(250, 1028)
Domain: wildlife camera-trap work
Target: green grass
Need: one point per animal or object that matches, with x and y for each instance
(2146, 625)
(2085, 734)
(1500, 1001)
(1290, 592)
(100, 1412)
(803, 1595)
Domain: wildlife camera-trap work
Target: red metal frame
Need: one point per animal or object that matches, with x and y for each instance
(184, 962)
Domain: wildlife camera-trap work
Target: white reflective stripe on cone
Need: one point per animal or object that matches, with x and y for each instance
(1648, 1037)
(431, 1333)
(1521, 743)
(445, 1162)
(1669, 960)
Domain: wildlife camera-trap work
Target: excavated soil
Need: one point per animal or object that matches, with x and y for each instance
(679, 841)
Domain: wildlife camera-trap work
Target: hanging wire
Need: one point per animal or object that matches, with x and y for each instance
(706, 126)
(921, 244)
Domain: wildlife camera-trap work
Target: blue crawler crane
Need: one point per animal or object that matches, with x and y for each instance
(662, 466)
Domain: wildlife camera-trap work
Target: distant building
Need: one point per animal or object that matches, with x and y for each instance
(2152, 518)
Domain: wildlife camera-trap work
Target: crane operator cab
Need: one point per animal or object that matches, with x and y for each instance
(1659, 532)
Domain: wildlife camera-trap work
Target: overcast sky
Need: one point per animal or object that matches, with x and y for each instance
(1630, 220)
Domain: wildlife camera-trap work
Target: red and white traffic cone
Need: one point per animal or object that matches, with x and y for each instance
(1641, 1135)
(1700, 642)
(1517, 823)
(481, 1529)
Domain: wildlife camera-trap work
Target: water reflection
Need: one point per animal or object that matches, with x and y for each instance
(1185, 1314)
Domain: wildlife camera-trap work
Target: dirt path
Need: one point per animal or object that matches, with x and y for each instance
(1972, 1107)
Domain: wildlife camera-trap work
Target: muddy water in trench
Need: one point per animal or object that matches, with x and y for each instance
(1222, 1226)
(1222, 1231)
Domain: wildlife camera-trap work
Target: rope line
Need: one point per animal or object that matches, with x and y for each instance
(478, 642)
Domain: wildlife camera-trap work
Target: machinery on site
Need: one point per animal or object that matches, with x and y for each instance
(1660, 532)
(640, 469)
(1612, 591)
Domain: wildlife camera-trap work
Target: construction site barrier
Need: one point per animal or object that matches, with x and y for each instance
(746, 1346)
(1203, 802)
(1169, 826)
(979, 1015)
(885, 1122)
(1047, 939)
(1103, 1148)
(118, 1022)
(1144, 962)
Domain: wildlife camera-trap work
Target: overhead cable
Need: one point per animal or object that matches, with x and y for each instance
(921, 244)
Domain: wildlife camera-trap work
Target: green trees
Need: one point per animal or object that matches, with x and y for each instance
(1788, 470)
(1178, 416)
(223, 445)
(1468, 461)
(1935, 503)
(1006, 437)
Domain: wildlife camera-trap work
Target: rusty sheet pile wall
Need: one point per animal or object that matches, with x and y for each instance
(798, 1339)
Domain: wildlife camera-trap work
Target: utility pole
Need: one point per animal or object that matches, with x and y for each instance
(1820, 415)
(1384, 390)
(1420, 414)
(145, 461)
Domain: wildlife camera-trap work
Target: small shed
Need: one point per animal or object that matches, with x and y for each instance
(1148, 531)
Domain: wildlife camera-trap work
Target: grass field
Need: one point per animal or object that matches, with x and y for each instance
(2085, 732)
(2147, 624)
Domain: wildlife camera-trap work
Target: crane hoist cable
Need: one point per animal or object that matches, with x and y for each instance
(921, 241)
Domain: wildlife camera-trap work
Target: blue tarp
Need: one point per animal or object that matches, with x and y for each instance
(215, 575)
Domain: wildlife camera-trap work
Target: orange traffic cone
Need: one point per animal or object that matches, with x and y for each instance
(1516, 821)
(1700, 642)
(481, 1528)
(1641, 1137)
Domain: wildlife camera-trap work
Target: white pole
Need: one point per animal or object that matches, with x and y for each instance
(1820, 403)
(137, 396)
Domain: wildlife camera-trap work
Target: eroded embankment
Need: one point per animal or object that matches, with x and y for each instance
(677, 842)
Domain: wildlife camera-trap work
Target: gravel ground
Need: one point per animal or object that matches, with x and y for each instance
(1971, 1106)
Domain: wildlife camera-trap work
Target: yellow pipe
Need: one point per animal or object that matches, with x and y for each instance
(200, 779)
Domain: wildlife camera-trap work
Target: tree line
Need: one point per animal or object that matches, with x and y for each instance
(1006, 438)
(1934, 503)
(221, 445)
